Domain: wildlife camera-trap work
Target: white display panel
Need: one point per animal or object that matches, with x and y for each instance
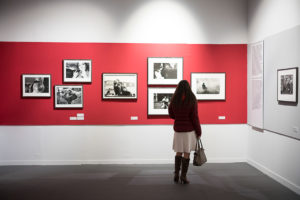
(281, 52)
(255, 84)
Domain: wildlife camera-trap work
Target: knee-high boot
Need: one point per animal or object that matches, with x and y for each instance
(177, 168)
(185, 167)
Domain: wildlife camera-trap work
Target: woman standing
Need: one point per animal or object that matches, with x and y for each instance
(184, 110)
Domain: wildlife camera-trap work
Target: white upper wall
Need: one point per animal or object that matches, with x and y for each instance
(124, 21)
(268, 17)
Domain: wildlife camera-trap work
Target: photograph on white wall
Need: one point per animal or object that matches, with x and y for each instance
(36, 85)
(165, 71)
(287, 84)
(119, 86)
(208, 86)
(77, 71)
(68, 96)
(159, 100)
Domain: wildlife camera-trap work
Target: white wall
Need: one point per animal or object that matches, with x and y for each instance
(26, 145)
(268, 17)
(274, 154)
(124, 21)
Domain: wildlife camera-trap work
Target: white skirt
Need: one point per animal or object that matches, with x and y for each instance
(184, 142)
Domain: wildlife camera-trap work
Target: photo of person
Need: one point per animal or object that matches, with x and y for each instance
(68, 96)
(161, 100)
(119, 89)
(208, 86)
(36, 85)
(119, 86)
(77, 70)
(165, 71)
(286, 84)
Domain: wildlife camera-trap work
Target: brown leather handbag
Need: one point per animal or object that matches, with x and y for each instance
(199, 155)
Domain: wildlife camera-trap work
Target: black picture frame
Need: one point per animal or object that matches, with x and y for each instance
(119, 86)
(156, 105)
(36, 85)
(216, 90)
(63, 98)
(287, 85)
(164, 70)
(77, 71)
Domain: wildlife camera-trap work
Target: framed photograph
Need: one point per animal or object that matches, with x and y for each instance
(159, 100)
(287, 85)
(68, 96)
(165, 71)
(36, 85)
(119, 86)
(77, 71)
(209, 86)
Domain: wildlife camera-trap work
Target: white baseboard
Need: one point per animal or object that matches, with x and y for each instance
(116, 161)
(275, 176)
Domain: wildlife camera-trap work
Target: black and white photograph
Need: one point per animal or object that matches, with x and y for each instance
(68, 96)
(287, 84)
(164, 71)
(119, 86)
(208, 86)
(77, 71)
(36, 85)
(159, 100)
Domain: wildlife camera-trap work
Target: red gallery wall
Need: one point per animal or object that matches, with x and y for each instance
(19, 58)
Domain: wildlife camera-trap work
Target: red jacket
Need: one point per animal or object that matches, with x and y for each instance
(186, 118)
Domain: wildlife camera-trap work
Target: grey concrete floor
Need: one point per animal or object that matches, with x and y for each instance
(141, 182)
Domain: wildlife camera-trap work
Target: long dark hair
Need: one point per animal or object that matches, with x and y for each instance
(183, 96)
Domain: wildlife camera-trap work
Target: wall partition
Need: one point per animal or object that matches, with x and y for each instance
(281, 53)
(117, 36)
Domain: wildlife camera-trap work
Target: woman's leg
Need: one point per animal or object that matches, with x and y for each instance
(186, 155)
(185, 167)
(178, 159)
(178, 153)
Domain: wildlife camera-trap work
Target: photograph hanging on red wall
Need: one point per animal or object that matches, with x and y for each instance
(68, 96)
(77, 71)
(165, 71)
(209, 86)
(119, 86)
(36, 85)
(159, 100)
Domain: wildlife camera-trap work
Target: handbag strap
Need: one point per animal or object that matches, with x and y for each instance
(201, 144)
(197, 145)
